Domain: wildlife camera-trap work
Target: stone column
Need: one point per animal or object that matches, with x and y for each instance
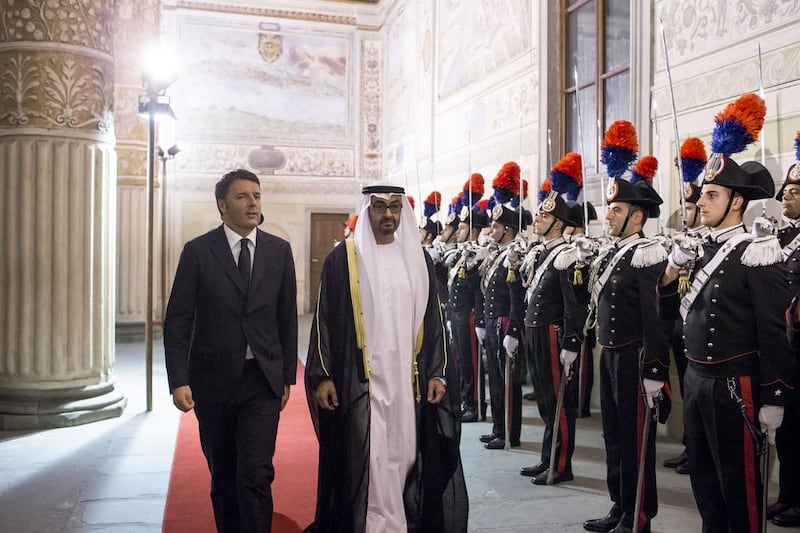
(57, 174)
(140, 20)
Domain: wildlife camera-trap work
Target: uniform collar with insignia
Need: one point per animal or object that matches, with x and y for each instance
(791, 222)
(552, 243)
(629, 238)
(723, 235)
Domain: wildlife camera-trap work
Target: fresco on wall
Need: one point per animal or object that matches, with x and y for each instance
(477, 37)
(402, 60)
(246, 83)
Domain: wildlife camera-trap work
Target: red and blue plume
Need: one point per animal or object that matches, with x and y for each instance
(432, 203)
(567, 176)
(482, 205)
(644, 169)
(476, 184)
(738, 124)
(546, 187)
(514, 202)
(619, 148)
(455, 204)
(490, 203)
(506, 183)
(693, 158)
(797, 146)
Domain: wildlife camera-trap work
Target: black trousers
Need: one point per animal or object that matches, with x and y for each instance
(787, 441)
(584, 372)
(465, 345)
(238, 440)
(675, 335)
(499, 396)
(623, 411)
(542, 347)
(723, 464)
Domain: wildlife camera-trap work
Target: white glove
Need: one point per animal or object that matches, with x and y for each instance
(435, 253)
(762, 227)
(510, 344)
(586, 249)
(470, 258)
(685, 249)
(481, 334)
(482, 252)
(513, 256)
(651, 389)
(770, 418)
(567, 357)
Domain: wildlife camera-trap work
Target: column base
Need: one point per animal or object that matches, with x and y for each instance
(134, 331)
(47, 409)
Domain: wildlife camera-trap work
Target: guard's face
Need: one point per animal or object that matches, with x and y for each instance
(790, 202)
(497, 231)
(615, 217)
(447, 232)
(542, 222)
(462, 233)
(713, 203)
(241, 207)
(691, 212)
(384, 215)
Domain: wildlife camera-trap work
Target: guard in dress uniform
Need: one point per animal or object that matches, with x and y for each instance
(463, 283)
(553, 321)
(430, 228)
(634, 358)
(693, 161)
(786, 511)
(741, 369)
(503, 314)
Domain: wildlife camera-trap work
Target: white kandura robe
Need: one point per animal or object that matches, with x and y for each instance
(392, 437)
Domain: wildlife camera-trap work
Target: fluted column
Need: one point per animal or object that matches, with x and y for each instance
(57, 174)
(140, 19)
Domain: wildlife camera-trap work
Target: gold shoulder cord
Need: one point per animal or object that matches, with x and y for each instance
(355, 296)
(417, 350)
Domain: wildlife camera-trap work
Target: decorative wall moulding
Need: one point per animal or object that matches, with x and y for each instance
(267, 12)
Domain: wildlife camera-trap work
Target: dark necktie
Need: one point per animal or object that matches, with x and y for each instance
(244, 262)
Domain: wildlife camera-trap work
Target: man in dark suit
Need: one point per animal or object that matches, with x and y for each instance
(230, 339)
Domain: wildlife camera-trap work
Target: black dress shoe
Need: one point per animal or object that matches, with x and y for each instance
(531, 397)
(603, 525)
(674, 462)
(487, 438)
(683, 468)
(469, 415)
(788, 518)
(533, 471)
(499, 443)
(559, 477)
(776, 508)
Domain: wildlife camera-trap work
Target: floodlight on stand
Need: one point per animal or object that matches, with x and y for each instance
(160, 107)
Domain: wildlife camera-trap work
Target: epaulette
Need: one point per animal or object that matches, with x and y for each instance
(648, 254)
(762, 251)
(567, 257)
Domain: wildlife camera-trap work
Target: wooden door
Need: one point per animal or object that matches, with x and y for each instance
(326, 228)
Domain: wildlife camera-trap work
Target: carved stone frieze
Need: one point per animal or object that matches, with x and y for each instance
(300, 161)
(696, 27)
(86, 23)
(269, 12)
(54, 89)
(370, 93)
(778, 67)
(131, 162)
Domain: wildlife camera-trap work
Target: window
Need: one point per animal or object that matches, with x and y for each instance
(597, 43)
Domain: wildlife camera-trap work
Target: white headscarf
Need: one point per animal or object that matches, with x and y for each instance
(367, 251)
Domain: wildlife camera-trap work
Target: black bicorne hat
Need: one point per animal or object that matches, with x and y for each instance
(750, 179)
(511, 217)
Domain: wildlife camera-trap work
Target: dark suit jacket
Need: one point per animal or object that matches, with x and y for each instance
(212, 317)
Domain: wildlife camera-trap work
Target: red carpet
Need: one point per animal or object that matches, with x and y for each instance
(294, 490)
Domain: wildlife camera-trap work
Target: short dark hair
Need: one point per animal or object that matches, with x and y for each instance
(221, 189)
(636, 207)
